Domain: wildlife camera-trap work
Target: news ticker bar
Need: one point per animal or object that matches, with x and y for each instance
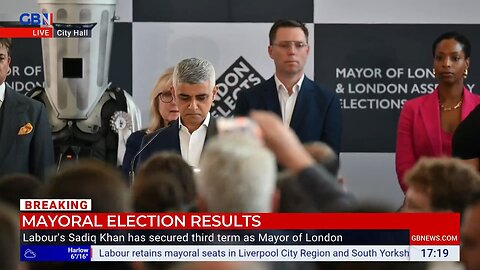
(43, 32)
(238, 253)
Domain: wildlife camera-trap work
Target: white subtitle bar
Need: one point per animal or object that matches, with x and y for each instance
(277, 253)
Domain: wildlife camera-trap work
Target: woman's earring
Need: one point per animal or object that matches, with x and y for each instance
(433, 70)
(465, 73)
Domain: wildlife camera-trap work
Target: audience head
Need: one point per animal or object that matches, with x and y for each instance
(163, 108)
(9, 238)
(194, 90)
(104, 185)
(91, 179)
(158, 193)
(324, 155)
(175, 166)
(440, 184)
(14, 187)
(237, 174)
(470, 234)
(293, 197)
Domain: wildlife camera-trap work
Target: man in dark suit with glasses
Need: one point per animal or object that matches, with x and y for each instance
(311, 111)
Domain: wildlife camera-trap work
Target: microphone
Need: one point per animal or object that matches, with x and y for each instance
(131, 172)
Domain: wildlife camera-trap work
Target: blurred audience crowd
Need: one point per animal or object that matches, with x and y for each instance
(240, 173)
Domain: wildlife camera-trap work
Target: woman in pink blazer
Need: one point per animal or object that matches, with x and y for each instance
(427, 123)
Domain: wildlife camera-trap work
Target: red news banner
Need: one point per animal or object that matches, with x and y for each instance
(27, 32)
(424, 227)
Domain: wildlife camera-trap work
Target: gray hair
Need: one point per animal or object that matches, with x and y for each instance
(237, 174)
(194, 71)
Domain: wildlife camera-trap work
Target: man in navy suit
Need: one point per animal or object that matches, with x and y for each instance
(194, 91)
(312, 112)
(26, 144)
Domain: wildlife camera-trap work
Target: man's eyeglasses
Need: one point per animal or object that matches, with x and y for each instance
(166, 96)
(288, 44)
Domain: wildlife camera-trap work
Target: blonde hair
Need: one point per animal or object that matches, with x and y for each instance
(164, 82)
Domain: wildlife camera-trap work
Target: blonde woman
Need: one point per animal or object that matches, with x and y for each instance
(163, 110)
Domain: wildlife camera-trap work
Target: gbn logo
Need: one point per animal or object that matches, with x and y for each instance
(36, 19)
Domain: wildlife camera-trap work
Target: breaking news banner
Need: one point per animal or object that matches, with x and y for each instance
(57, 236)
(55, 205)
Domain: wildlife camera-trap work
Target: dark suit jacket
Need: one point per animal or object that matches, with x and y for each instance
(168, 139)
(30, 153)
(134, 142)
(316, 117)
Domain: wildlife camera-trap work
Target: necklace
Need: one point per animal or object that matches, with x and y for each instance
(446, 109)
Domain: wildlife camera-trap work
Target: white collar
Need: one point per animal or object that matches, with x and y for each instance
(2, 92)
(297, 85)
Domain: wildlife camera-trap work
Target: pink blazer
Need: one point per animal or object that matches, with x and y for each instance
(418, 132)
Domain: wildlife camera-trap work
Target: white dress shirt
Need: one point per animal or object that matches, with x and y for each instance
(2, 93)
(287, 102)
(191, 145)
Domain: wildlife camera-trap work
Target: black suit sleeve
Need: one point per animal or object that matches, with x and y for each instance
(132, 147)
(241, 106)
(465, 142)
(332, 132)
(148, 150)
(41, 151)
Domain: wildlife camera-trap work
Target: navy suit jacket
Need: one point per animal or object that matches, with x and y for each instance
(134, 142)
(168, 139)
(32, 152)
(317, 114)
